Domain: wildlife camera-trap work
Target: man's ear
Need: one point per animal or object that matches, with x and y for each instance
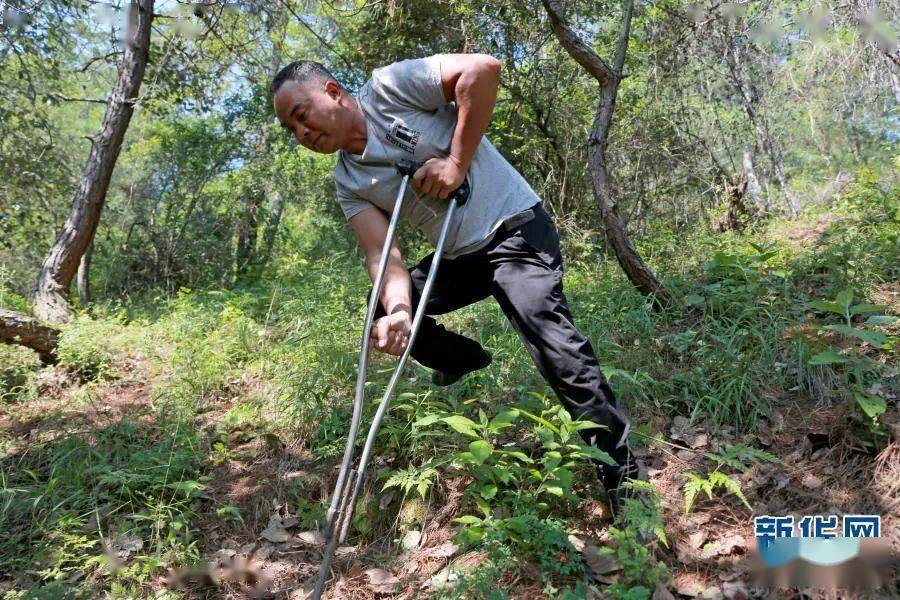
(333, 89)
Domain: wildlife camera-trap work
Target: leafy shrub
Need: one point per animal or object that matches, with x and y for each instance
(8, 298)
(502, 473)
(845, 347)
(638, 531)
(521, 542)
(84, 347)
(17, 368)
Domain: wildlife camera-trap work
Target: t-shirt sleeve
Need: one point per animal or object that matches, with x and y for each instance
(352, 205)
(415, 83)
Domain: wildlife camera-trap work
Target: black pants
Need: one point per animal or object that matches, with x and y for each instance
(522, 269)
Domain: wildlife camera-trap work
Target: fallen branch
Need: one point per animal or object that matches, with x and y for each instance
(18, 328)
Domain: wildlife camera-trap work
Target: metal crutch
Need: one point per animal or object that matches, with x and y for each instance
(340, 513)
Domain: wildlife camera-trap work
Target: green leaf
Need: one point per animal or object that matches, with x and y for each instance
(661, 534)
(579, 425)
(565, 477)
(502, 475)
(866, 308)
(693, 486)
(555, 490)
(871, 405)
(881, 320)
(724, 260)
(693, 299)
(545, 435)
(824, 306)
(422, 488)
(718, 478)
(190, 487)
(735, 456)
(594, 453)
(468, 520)
(481, 450)
(230, 511)
(518, 455)
(427, 420)
(483, 506)
(845, 298)
(466, 457)
(552, 460)
(484, 473)
(504, 418)
(540, 420)
(469, 536)
(517, 524)
(829, 357)
(461, 424)
(488, 491)
(873, 338)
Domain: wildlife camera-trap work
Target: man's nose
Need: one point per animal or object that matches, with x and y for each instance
(301, 132)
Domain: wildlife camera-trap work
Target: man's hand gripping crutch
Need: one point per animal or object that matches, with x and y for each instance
(349, 482)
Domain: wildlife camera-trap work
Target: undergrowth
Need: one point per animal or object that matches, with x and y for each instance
(109, 507)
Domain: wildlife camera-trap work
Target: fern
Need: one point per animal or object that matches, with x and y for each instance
(694, 486)
(720, 479)
(708, 485)
(419, 478)
(737, 457)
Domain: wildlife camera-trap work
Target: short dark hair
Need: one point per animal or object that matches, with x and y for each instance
(301, 71)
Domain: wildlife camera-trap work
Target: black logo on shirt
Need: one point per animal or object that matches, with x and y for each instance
(403, 137)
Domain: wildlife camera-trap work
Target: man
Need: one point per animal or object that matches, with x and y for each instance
(501, 243)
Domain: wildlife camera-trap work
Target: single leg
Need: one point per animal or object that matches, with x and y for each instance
(527, 283)
(459, 282)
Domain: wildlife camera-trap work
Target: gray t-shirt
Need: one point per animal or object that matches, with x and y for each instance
(407, 117)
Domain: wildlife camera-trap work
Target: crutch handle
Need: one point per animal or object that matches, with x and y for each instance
(460, 194)
(407, 167)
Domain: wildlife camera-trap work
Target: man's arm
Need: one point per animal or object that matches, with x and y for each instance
(390, 333)
(472, 81)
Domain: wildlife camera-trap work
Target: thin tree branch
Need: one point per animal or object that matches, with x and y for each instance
(68, 99)
(622, 42)
(316, 34)
(583, 54)
(105, 57)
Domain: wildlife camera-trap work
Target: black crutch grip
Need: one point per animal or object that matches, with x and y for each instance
(460, 194)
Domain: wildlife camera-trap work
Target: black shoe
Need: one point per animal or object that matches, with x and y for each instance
(444, 378)
(615, 480)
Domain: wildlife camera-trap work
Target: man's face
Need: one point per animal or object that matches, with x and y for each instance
(314, 113)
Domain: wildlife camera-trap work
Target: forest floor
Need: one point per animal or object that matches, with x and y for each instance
(254, 490)
(821, 470)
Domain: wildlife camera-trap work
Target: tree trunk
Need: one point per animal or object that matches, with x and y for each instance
(750, 97)
(778, 168)
(84, 276)
(248, 255)
(753, 192)
(272, 227)
(247, 231)
(50, 297)
(608, 77)
(895, 81)
(16, 328)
